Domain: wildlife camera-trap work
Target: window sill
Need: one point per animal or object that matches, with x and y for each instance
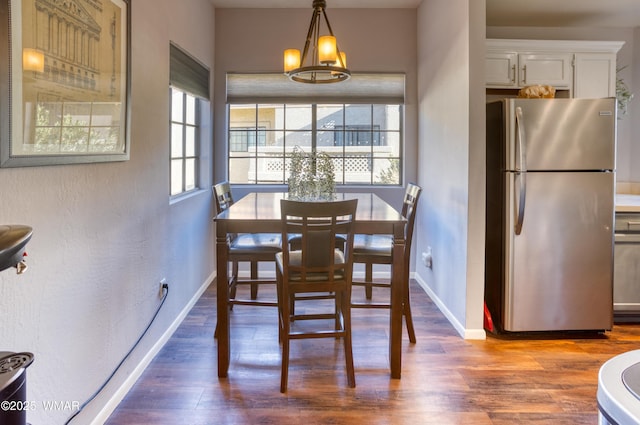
(187, 195)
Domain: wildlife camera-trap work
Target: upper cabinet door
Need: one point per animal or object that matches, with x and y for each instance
(554, 69)
(595, 75)
(501, 69)
(579, 68)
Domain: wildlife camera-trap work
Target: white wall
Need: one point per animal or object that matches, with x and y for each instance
(377, 40)
(634, 109)
(105, 234)
(628, 56)
(451, 158)
(474, 320)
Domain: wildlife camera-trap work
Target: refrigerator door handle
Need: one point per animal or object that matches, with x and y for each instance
(521, 201)
(521, 168)
(521, 146)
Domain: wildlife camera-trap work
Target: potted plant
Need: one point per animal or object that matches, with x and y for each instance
(623, 95)
(311, 176)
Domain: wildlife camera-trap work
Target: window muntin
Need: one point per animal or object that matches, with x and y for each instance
(364, 141)
(184, 138)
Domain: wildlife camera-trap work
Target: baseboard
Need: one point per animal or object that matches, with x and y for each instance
(459, 327)
(121, 392)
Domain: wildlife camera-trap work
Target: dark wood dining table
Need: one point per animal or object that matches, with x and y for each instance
(259, 212)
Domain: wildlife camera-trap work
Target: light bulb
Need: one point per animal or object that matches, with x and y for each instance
(327, 50)
(291, 59)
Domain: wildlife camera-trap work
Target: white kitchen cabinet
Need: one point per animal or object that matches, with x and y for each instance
(553, 69)
(579, 68)
(501, 69)
(595, 75)
(513, 70)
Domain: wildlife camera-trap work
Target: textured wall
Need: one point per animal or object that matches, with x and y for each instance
(105, 234)
(451, 136)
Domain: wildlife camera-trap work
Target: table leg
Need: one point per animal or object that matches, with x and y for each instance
(222, 286)
(397, 297)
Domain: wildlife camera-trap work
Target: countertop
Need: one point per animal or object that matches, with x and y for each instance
(627, 203)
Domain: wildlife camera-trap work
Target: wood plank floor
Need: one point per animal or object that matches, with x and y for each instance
(445, 379)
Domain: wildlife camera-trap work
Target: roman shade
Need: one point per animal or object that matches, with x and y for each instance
(187, 74)
(370, 88)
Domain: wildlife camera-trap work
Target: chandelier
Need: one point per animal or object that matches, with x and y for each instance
(327, 63)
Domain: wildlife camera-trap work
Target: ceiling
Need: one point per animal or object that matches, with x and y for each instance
(541, 13)
(559, 13)
(331, 4)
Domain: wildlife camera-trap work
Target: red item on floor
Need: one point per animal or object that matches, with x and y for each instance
(488, 322)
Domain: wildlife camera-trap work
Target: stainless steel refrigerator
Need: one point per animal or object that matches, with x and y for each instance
(550, 214)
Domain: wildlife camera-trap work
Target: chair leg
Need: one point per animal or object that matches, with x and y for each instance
(254, 276)
(368, 278)
(284, 303)
(232, 290)
(279, 298)
(234, 280)
(292, 307)
(339, 311)
(406, 312)
(348, 346)
(284, 376)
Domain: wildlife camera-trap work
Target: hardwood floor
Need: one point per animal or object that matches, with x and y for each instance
(445, 379)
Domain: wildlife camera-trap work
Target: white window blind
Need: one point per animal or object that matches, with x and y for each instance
(372, 88)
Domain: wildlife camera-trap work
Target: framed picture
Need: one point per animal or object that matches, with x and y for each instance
(64, 81)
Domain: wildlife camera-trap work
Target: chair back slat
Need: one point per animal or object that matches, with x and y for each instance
(409, 207)
(318, 224)
(223, 196)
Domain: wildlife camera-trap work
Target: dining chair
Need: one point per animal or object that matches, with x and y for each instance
(317, 267)
(377, 249)
(247, 247)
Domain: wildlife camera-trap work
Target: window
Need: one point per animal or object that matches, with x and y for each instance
(189, 93)
(364, 140)
(184, 147)
(358, 123)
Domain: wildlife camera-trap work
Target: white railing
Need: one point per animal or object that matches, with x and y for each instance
(356, 164)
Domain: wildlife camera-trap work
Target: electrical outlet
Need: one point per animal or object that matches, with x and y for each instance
(163, 285)
(427, 258)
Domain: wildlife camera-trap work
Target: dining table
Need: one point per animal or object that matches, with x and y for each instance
(259, 212)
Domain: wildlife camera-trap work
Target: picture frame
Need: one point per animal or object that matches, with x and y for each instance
(64, 81)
